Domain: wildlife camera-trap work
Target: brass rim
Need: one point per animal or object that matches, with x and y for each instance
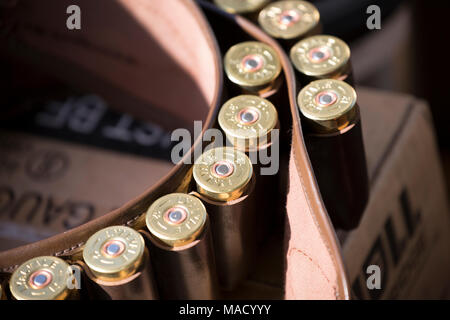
(248, 135)
(180, 234)
(235, 178)
(289, 19)
(114, 253)
(329, 105)
(240, 6)
(41, 278)
(335, 51)
(236, 62)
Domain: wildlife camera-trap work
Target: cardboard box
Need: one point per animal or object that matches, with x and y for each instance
(406, 226)
(405, 229)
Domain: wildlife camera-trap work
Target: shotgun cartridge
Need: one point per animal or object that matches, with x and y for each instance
(118, 262)
(225, 181)
(322, 57)
(290, 21)
(181, 248)
(43, 278)
(335, 146)
(246, 8)
(253, 67)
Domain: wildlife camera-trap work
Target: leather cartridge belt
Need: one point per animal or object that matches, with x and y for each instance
(177, 228)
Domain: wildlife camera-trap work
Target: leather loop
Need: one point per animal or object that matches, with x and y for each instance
(94, 65)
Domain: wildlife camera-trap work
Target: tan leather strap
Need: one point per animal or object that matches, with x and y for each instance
(114, 41)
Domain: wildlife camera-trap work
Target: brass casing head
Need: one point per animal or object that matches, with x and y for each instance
(248, 121)
(252, 65)
(41, 278)
(328, 105)
(114, 253)
(223, 174)
(176, 219)
(289, 19)
(241, 6)
(321, 56)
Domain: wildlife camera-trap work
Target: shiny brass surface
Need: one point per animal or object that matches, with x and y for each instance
(328, 105)
(289, 19)
(248, 121)
(41, 278)
(321, 56)
(234, 228)
(240, 6)
(138, 286)
(252, 65)
(114, 253)
(185, 272)
(176, 219)
(225, 185)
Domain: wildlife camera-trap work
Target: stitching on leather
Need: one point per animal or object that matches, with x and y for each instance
(313, 262)
(69, 250)
(130, 222)
(84, 42)
(66, 251)
(10, 269)
(87, 44)
(336, 292)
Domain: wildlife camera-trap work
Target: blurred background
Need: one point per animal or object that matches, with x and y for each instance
(408, 54)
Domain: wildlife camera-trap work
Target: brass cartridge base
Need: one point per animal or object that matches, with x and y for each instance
(290, 21)
(322, 57)
(139, 286)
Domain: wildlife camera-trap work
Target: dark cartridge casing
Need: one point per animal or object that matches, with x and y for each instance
(335, 146)
(343, 182)
(2, 292)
